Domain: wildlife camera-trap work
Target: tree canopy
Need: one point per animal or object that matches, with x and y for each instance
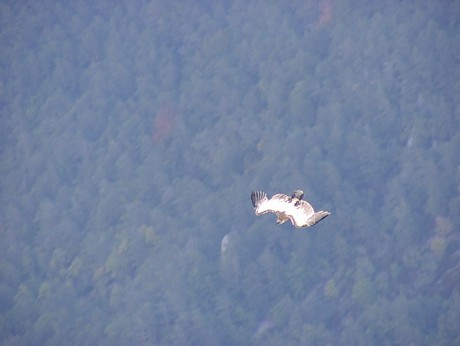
(133, 132)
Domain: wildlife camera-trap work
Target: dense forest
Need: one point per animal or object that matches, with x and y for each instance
(131, 136)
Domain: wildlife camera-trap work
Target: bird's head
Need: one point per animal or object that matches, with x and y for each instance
(298, 194)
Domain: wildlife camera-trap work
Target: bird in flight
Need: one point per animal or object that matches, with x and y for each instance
(293, 208)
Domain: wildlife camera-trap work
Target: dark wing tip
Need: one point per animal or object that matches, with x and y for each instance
(256, 197)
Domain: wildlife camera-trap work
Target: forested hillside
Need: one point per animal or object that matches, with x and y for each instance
(131, 136)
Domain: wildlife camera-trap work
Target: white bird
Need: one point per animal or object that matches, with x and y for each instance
(293, 208)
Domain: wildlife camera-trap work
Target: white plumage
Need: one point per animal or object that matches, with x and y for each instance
(293, 208)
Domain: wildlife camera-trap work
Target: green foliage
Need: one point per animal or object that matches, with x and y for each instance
(132, 134)
(363, 292)
(330, 290)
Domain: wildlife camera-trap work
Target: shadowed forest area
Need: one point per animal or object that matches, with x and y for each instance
(131, 136)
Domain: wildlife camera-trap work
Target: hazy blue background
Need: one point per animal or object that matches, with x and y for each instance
(132, 133)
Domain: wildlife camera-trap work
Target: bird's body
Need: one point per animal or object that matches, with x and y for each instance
(293, 208)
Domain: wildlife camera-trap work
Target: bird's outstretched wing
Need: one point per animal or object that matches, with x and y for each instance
(263, 205)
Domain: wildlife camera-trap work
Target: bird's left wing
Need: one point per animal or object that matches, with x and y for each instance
(262, 205)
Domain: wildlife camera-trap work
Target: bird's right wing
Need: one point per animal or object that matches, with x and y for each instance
(305, 215)
(305, 208)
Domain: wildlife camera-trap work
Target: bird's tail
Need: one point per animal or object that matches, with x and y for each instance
(317, 217)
